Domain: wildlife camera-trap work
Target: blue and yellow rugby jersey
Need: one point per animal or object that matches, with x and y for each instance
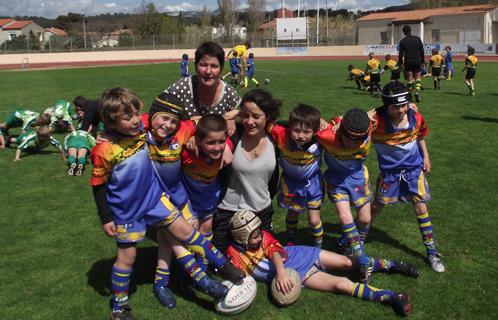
(342, 160)
(125, 166)
(297, 163)
(436, 61)
(200, 179)
(166, 158)
(373, 66)
(398, 148)
(471, 62)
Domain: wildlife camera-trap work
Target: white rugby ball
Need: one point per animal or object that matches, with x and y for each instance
(267, 81)
(282, 299)
(238, 298)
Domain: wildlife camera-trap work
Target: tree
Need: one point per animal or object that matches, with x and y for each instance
(227, 13)
(205, 24)
(256, 13)
(148, 20)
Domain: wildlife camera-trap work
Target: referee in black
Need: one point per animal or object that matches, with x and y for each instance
(411, 58)
(91, 114)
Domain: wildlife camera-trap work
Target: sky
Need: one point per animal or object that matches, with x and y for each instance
(54, 8)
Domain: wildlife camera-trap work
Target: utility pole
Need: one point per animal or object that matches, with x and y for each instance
(317, 21)
(327, 19)
(84, 31)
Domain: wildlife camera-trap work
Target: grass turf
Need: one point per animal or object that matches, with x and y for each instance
(56, 260)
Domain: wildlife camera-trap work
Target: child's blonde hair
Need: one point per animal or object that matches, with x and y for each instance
(117, 102)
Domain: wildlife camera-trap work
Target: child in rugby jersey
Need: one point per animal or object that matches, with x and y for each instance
(62, 114)
(435, 65)
(235, 69)
(250, 71)
(184, 66)
(258, 253)
(347, 142)
(357, 75)
(168, 134)
(300, 187)
(22, 118)
(129, 196)
(373, 70)
(392, 65)
(34, 141)
(404, 161)
(77, 146)
(470, 66)
(448, 63)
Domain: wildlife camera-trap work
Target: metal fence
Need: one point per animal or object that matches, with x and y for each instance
(96, 42)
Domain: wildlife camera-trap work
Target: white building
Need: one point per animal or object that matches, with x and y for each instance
(10, 29)
(456, 25)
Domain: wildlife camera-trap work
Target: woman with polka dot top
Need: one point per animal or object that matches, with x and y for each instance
(205, 93)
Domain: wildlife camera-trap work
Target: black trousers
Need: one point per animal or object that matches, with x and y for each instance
(221, 226)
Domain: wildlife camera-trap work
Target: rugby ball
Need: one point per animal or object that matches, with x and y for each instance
(267, 81)
(284, 300)
(238, 298)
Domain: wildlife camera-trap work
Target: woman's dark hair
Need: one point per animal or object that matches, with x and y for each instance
(265, 101)
(210, 49)
(305, 115)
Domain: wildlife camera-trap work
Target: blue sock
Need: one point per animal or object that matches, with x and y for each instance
(354, 243)
(162, 277)
(120, 284)
(198, 244)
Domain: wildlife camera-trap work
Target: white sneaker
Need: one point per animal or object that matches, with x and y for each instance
(435, 262)
(70, 172)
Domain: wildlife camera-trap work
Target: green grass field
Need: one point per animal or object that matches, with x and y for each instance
(55, 260)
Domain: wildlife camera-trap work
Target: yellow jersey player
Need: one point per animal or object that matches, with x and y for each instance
(435, 65)
(357, 75)
(470, 66)
(392, 65)
(373, 69)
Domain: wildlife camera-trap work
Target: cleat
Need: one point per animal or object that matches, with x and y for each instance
(230, 272)
(417, 96)
(366, 272)
(79, 170)
(212, 288)
(70, 172)
(165, 296)
(343, 248)
(318, 243)
(435, 262)
(401, 304)
(123, 313)
(406, 269)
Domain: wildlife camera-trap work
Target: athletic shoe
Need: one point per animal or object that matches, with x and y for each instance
(123, 313)
(212, 288)
(230, 272)
(401, 304)
(165, 296)
(79, 171)
(318, 243)
(70, 172)
(406, 269)
(366, 272)
(435, 262)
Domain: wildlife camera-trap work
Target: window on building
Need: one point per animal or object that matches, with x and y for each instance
(384, 37)
(297, 29)
(285, 30)
(12, 36)
(435, 35)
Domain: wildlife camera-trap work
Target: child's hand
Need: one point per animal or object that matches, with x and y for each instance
(323, 124)
(109, 229)
(100, 139)
(427, 165)
(191, 145)
(226, 158)
(284, 283)
(231, 127)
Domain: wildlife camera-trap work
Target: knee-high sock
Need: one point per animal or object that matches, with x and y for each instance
(291, 226)
(162, 277)
(418, 85)
(198, 244)
(71, 160)
(382, 265)
(425, 226)
(82, 161)
(410, 85)
(354, 243)
(191, 267)
(317, 232)
(255, 81)
(370, 293)
(120, 284)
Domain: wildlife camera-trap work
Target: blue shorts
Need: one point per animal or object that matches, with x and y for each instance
(354, 188)
(301, 195)
(402, 186)
(162, 215)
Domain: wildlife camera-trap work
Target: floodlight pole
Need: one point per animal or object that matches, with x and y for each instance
(317, 20)
(84, 31)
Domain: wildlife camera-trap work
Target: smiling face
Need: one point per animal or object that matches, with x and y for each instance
(128, 124)
(301, 134)
(213, 144)
(163, 124)
(253, 119)
(208, 69)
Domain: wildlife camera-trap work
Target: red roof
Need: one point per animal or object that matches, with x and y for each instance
(17, 25)
(268, 25)
(56, 31)
(5, 21)
(288, 13)
(418, 15)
